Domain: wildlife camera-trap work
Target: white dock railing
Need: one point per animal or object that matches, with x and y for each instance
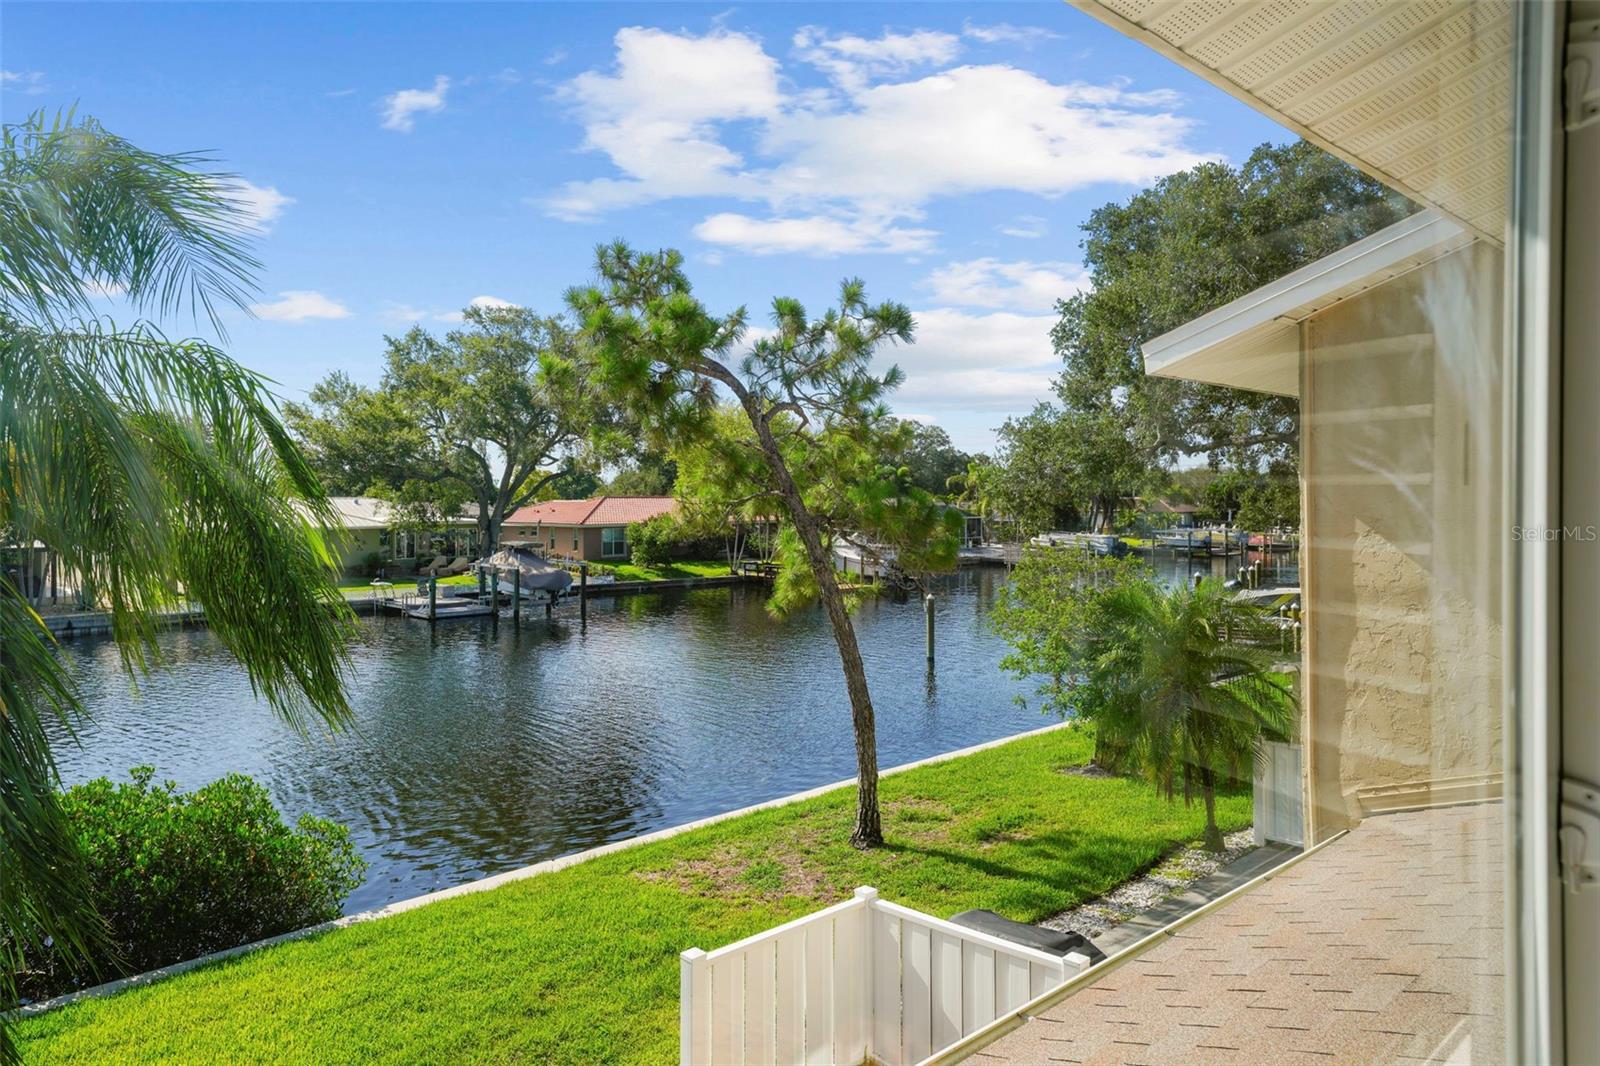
(863, 978)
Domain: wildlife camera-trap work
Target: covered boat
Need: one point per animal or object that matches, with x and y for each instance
(535, 573)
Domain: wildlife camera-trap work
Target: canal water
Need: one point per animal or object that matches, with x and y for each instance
(476, 750)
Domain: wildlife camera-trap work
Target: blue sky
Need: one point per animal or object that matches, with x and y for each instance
(406, 159)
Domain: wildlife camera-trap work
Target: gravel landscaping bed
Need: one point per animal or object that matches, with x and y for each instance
(1169, 877)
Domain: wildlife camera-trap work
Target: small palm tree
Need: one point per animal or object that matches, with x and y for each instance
(1181, 679)
(157, 470)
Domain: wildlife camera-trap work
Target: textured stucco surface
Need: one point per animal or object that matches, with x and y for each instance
(1401, 405)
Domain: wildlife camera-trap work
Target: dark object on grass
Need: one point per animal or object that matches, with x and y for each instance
(1052, 940)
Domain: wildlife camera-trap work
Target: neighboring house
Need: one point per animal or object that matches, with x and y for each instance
(1181, 515)
(368, 528)
(1165, 513)
(594, 530)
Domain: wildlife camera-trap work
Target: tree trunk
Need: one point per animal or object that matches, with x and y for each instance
(1208, 793)
(489, 535)
(868, 831)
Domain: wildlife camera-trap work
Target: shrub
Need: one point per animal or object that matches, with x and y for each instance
(175, 875)
(655, 541)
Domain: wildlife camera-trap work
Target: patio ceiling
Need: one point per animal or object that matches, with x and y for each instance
(1414, 92)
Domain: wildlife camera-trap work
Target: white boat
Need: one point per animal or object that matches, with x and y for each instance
(1098, 543)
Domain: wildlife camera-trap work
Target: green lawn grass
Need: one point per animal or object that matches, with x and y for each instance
(581, 965)
(670, 571)
(402, 584)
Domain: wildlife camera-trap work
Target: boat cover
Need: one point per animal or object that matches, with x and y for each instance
(535, 573)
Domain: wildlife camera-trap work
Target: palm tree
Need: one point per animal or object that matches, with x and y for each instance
(156, 469)
(1182, 680)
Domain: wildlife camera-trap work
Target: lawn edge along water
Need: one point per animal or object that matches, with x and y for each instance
(485, 884)
(574, 959)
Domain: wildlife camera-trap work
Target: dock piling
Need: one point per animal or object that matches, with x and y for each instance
(433, 598)
(927, 606)
(583, 595)
(516, 599)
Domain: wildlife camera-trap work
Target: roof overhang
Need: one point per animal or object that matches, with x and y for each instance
(1414, 92)
(1254, 342)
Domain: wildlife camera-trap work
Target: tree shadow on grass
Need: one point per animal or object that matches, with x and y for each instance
(1049, 872)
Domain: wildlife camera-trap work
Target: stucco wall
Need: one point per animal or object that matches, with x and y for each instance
(588, 540)
(1400, 405)
(354, 545)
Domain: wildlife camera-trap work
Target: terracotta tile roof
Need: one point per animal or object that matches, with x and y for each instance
(600, 511)
(1385, 946)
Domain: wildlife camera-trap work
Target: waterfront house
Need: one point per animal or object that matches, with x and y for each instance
(1164, 514)
(368, 528)
(593, 530)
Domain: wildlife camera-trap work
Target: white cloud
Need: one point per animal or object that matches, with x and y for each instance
(685, 116)
(407, 313)
(27, 82)
(1026, 227)
(820, 235)
(1020, 286)
(399, 107)
(260, 204)
(300, 305)
(976, 129)
(656, 116)
(853, 62)
(997, 362)
(1005, 33)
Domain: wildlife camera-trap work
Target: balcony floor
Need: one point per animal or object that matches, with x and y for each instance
(1385, 946)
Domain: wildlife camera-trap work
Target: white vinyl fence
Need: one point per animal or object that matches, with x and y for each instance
(1279, 792)
(862, 978)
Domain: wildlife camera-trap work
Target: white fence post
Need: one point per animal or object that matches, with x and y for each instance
(694, 1007)
(858, 1042)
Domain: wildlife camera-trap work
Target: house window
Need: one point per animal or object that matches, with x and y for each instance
(614, 542)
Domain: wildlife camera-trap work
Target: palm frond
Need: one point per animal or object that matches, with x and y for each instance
(157, 470)
(83, 210)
